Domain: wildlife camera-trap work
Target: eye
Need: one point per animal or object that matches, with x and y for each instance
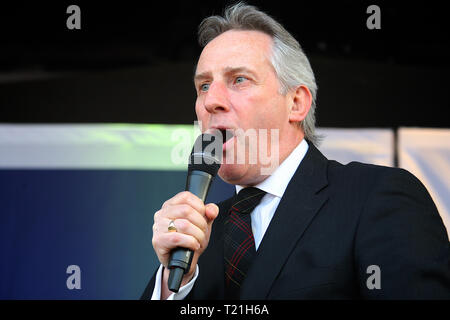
(240, 79)
(204, 87)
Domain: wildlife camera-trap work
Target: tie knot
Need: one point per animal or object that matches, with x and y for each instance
(247, 199)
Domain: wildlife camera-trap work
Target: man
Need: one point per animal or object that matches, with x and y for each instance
(319, 229)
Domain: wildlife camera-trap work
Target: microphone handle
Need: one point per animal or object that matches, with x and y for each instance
(198, 183)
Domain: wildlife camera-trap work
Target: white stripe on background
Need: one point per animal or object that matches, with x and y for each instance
(152, 146)
(426, 153)
(374, 146)
(96, 146)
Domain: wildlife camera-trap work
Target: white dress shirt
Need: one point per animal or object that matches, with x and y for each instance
(274, 186)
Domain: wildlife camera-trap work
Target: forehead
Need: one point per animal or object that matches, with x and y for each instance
(236, 48)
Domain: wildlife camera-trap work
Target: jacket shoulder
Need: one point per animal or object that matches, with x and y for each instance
(362, 180)
(369, 174)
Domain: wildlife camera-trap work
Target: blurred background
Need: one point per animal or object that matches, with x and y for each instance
(133, 62)
(87, 122)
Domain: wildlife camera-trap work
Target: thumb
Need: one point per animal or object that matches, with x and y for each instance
(211, 212)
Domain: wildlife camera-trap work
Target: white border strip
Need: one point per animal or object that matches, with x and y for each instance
(373, 145)
(95, 146)
(151, 146)
(426, 153)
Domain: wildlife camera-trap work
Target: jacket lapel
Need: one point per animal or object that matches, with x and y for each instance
(301, 201)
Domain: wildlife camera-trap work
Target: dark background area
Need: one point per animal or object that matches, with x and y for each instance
(133, 61)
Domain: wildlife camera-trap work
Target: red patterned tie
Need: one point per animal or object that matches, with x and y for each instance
(238, 240)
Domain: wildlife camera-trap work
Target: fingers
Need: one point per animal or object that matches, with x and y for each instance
(168, 241)
(183, 226)
(192, 219)
(211, 211)
(182, 211)
(188, 198)
(164, 243)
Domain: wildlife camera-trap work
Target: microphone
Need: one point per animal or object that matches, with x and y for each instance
(204, 162)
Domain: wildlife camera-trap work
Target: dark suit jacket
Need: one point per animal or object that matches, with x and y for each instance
(333, 222)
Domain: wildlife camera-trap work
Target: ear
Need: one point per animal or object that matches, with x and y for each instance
(301, 103)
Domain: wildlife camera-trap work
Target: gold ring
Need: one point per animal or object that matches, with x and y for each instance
(171, 227)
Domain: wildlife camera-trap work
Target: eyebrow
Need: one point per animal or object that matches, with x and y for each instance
(203, 75)
(227, 70)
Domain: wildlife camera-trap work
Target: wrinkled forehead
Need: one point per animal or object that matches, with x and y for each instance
(236, 48)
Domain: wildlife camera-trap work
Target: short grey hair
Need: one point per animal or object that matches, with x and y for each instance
(288, 59)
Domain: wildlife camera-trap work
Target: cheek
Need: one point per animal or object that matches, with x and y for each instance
(275, 109)
(249, 107)
(197, 106)
(261, 111)
(202, 114)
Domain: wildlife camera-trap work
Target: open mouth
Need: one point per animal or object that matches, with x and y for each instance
(227, 134)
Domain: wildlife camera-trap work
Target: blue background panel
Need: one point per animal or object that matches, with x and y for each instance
(99, 220)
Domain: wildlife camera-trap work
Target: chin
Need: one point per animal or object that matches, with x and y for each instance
(232, 173)
(238, 174)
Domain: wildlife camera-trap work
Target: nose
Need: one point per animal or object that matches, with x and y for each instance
(216, 98)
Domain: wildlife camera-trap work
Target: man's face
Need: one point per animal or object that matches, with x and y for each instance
(237, 88)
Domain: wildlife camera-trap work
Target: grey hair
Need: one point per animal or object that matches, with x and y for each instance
(288, 59)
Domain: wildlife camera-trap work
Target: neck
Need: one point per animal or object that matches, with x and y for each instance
(284, 152)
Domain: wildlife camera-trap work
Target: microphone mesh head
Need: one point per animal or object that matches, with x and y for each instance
(206, 154)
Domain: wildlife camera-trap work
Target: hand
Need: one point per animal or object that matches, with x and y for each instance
(193, 220)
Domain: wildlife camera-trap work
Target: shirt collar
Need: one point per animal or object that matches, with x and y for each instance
(277, 182)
